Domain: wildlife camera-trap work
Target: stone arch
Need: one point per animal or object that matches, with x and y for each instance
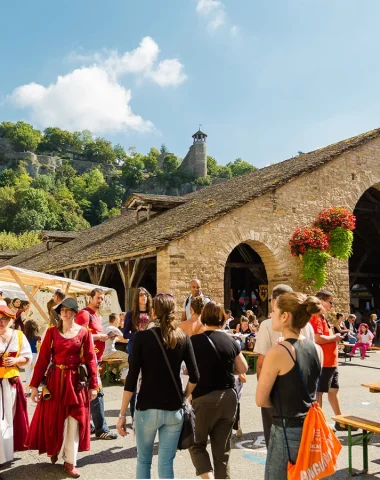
(253, 262)
(364, 264)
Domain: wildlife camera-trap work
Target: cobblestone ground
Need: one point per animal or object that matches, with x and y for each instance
(116, 459)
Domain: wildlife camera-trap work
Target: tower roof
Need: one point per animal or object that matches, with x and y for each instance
(199, 133)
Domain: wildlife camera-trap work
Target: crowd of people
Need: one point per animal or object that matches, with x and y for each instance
(166, 366)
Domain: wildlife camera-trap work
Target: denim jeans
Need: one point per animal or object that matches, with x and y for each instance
(97, 414)
(168, 424)
(277, 457)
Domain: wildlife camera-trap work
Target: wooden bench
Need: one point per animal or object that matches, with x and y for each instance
(251, 358)
(342, 352)
(368, 428)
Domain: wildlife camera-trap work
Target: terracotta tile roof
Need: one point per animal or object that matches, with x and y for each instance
(121, 238)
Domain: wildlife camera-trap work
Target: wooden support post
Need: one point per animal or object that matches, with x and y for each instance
(102, 273)
(30, 297)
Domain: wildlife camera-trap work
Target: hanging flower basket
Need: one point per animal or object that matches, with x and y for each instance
(338, 223)
(311, 244)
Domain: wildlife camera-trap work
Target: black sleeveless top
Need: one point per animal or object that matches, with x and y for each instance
(289, 390)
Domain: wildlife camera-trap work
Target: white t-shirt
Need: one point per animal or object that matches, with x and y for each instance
(3, 302)
(187, 305)
(267, 337)
(110, 344)
(366, 337)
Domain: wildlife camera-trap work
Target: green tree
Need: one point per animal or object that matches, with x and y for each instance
(120, 152)
(151, 161)
(100, 151)
(65, 174)
(11, 241)
(132, 171)
(44, 182)
(57, 140)
(31, 210)
(240, 167)
(212, 167)
(170, 163)
(163, 149)
(22, 135)
(224, 172)
(7, 206)
(8, 177)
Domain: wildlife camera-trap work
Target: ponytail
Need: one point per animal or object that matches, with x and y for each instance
(164, 308)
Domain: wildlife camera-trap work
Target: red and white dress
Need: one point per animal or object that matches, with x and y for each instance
(14, 423)
(61, 424)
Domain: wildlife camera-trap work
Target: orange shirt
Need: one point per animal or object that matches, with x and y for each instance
(330, 350)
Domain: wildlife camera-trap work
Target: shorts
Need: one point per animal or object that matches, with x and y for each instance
(329, 379)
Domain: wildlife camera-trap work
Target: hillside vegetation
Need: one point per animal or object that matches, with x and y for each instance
(69, 201)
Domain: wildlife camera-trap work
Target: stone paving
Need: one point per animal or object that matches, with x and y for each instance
(116, 459)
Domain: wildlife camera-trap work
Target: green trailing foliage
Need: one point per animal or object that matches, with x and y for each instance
(314, 267)
(341, 243)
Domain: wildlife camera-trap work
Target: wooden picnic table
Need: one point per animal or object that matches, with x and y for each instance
(251, 358)
(373, 387)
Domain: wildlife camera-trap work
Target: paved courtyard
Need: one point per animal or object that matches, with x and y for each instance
(117, 459)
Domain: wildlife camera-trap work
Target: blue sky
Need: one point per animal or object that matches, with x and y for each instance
(265, 78)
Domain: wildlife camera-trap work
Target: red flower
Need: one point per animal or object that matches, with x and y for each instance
(307, 238)
(331, 218)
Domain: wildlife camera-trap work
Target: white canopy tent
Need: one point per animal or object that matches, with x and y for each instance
(38, 288)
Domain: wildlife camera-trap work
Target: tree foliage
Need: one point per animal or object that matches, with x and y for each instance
(12, 241)
(240, 167)
(22, 135)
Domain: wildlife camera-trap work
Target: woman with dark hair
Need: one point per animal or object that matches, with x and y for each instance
(61, 422)
(295, 362)
(15, 305)
(22, 315)
(214, 398)
(159, 406)
(136, 320)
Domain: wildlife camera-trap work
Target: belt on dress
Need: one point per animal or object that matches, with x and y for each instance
(63, 368)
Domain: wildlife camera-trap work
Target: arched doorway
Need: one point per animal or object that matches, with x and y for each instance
(364, 264)
(245, 282)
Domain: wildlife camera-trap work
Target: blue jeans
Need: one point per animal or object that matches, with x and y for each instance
(169, 425)
(97, 414)
(277, 457)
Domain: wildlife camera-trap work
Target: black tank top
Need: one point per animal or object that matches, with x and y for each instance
(289, 389)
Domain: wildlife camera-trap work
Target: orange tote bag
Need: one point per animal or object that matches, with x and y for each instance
(319, 448)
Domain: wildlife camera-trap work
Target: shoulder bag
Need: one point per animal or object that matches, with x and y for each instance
(319, 447)
(187, 436)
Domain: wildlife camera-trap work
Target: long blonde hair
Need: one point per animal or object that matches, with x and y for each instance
(164, 308)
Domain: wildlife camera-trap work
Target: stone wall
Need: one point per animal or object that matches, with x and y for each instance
(266, 224)
(195, 161)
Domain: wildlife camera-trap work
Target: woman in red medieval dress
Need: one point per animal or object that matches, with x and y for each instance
(61, 424)
(15, 352)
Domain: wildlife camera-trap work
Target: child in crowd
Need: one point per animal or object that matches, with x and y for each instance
(110, 352)
(240, 380)
(365, 337)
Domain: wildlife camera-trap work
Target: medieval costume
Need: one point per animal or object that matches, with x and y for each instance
(14, 422)
(61, 423)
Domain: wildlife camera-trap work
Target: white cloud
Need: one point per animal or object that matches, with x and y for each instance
(92, 96)
(140, 61)
(87, 98)
(213, 11)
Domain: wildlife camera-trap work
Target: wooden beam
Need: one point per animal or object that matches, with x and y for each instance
(243, 265)
(121, 268)
(102, 273)
(134, 272)
(30, 297)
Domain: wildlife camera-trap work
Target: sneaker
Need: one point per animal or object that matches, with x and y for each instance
(107, 435)
(351, 354)
(239, 433)
(344, 428)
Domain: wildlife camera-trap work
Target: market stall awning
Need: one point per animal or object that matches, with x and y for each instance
(30, 282)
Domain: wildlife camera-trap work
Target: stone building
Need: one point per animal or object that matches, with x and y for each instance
(195, 161)
(235, 235)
